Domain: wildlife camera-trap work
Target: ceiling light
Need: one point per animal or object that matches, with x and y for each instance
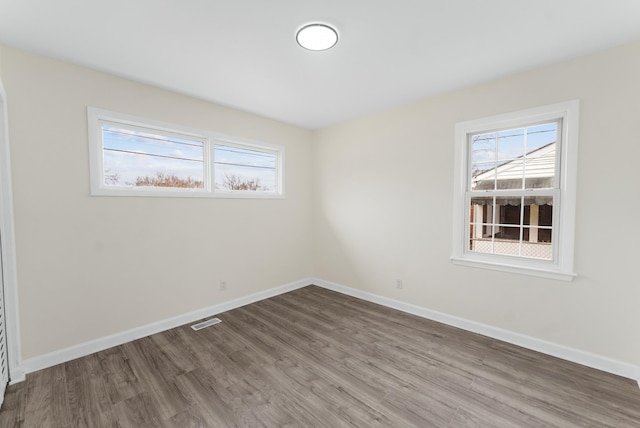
(317, 37)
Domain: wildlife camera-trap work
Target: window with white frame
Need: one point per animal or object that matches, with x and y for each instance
(138, 157)
(515, 184)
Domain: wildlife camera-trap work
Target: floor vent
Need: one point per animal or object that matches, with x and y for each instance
(205, 324)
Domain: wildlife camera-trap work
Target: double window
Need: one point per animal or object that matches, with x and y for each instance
(137, 157)
(515, 191)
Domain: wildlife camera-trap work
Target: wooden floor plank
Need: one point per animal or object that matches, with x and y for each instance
(37, 410)
(218, 406)
(317, 358)
(14, 406)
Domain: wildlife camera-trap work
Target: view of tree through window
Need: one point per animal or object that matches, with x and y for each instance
(244, 169)
(136, 158)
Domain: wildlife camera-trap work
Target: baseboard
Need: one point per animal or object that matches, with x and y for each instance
(17, 375)
(570, 354)
(48, 360)
(566, 353)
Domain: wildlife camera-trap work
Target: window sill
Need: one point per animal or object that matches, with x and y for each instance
(522, 270)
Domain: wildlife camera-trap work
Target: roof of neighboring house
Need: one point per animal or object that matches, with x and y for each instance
(539, 165)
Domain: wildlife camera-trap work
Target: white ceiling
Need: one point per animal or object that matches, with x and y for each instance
(243, 53)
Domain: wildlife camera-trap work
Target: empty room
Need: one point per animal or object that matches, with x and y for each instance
(339, 213)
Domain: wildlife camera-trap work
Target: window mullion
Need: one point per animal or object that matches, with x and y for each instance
(209, 166)
(493, 225)
(522, 225)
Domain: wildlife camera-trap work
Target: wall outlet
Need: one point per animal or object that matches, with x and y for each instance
(223, 285)
(399, 284)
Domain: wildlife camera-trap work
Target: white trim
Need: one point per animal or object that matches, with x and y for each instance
(566, 353)
(63, 355)
(96, 117)
(8, 249)
(570, 354)
(561, 267)
(19, 375)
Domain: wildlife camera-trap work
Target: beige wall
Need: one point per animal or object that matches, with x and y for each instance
(368, 202)
(383, 208)
(93, 266)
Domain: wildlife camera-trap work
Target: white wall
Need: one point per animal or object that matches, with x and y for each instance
(383, 208)
(89, 266)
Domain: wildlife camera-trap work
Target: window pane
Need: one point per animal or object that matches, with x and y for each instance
(537, 234)
(540, 166)
(523, 158)
(483, 161)
(511, 144)
(538, 210)
(514, 230)
(483, 177)
(508, 210)
(481, 245)
(510, 152)
(483, 148)
(537, 244)
(481, 217)
(540, 160)
(134, 158)
(507, 241)
(546, 215)
(541, 135)
(510, 233)
(481, 228)
(481, 210)
(239, 169)
(544, 235)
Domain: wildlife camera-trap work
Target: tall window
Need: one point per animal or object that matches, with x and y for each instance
(134, 157)
(515, 187)
(511, 182)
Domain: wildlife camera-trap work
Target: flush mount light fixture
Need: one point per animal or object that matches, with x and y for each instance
(317, 37)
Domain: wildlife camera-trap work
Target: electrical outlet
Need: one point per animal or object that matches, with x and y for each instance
(399, 284)
(223, 285)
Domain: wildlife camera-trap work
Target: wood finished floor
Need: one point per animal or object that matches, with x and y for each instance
(315, 358)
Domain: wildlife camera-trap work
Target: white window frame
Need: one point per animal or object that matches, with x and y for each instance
(96, 117)
(561, 265)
